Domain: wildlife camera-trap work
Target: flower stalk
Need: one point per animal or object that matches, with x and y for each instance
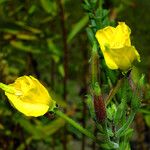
(75, 124)
(114, 91)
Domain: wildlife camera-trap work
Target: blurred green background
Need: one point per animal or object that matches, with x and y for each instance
(34, 38)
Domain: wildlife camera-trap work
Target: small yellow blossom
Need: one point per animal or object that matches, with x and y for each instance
(29, 96)
(116, 46)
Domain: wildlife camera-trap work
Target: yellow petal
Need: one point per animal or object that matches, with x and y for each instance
(109, 61)
(123, 57)
(122, 35)
(116, 46)
(33, 98)
(28, 109)
(105, 36)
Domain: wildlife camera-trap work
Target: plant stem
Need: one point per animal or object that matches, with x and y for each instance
(65, 46)
(52, 74)
(76, 125)
(52, 86)
(113, 91)
(65, 59)
(84, 91)
(94, 65)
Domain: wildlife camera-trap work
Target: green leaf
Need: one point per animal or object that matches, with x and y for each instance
(11, 31)
(55, 58)
(111, 111)
(32, 9)
(120, 112)
(91, 35)
(90, 105)
(48, 5)
(53, 48)
(29, 28)
(124, 146)
(2, 1)
(147, 119)
(25, 124)
(129, 133)
(61, 70)
(77, 28)
(52, 127)
(37, 130)
(28, 37)
(144, 111)
(20, 46)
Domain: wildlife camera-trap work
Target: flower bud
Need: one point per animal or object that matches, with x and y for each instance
(100, 109)
(31, 98)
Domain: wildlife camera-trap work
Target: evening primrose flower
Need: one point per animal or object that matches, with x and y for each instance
(116, 46)
(29, 96)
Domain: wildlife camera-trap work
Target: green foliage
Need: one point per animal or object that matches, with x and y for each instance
(77, 27)
(49, 6)
(31, 42)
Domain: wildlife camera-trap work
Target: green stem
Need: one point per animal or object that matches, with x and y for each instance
(113, 91)
(76, 125)
(122, 130)
(94, 64)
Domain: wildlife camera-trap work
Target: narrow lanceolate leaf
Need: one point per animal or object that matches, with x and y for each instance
(48, 5)
(29, 28)
(77, 28)
(38, 130)
(53, 48)
(9, 30)
(90, 105)
(27, 37)
(20, 46)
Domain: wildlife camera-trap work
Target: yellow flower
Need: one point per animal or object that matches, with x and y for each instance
(116, 46)
(29, 96)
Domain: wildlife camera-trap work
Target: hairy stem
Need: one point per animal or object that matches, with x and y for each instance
(76, 125)
(113, 91)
